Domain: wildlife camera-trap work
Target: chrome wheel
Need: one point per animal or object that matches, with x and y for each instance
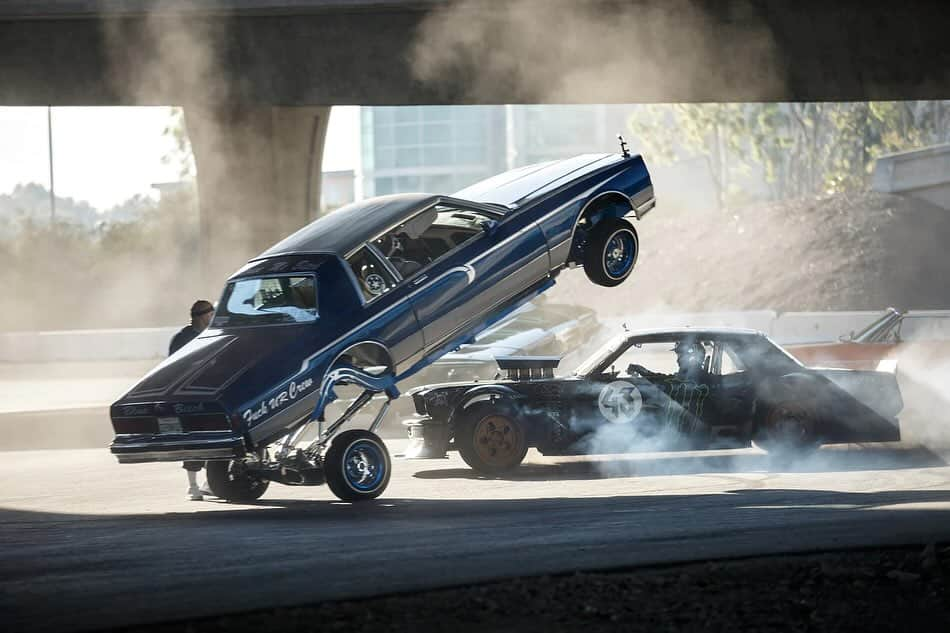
(619, 254)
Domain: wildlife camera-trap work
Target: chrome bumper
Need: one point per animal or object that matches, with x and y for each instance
(428, 439)
(138, 450)
(643, 202)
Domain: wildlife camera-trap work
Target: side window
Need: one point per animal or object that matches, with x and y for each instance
(729, 362)
(429, 236)
(373, 278)
(656, 357)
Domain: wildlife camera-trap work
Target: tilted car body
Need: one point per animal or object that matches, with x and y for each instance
(367, 296)
(750, 390)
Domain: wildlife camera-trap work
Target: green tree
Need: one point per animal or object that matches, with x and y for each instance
(800, 148)
(180, 154)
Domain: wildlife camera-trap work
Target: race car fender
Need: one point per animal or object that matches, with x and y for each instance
(481, 393)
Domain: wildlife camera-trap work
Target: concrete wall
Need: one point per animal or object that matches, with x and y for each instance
(85, 345)
(922, 173)
(152, 343)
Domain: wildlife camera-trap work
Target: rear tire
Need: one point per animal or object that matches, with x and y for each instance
(230, 481)
(788, 429)
(357, 466)
(490, 439)
(611, 252)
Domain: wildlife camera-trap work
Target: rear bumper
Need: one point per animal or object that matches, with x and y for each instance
(139, 449)
(428, 438)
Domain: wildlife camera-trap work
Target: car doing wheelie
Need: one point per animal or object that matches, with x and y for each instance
(367, 296)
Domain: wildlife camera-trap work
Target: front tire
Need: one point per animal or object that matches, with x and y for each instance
(230, 481)
(491, 440)
(357, 465)
(611, 252)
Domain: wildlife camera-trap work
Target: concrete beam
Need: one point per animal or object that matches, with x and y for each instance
(923, 173)
(377, 52)
(258, 179)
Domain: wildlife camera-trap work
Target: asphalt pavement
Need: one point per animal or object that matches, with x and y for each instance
(88, 544)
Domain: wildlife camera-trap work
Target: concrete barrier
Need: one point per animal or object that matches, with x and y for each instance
(152, 343)
(818, 327)
(85, 345)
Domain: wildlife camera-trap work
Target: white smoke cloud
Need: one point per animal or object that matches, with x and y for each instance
(614, 52)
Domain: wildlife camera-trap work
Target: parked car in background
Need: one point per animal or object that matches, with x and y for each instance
(923, 333)
(629, 395)
(368, 296)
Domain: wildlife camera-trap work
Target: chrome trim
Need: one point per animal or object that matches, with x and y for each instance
(177, 456)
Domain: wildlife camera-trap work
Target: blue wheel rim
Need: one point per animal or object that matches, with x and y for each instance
(364, 465)
(619, 254)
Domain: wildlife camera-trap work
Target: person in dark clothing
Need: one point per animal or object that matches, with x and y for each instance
(689, 357)
(201, 313)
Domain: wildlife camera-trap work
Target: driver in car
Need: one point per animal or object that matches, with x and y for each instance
(689, 357)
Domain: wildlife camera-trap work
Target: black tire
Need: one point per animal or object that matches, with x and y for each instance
(490, 438)
(357, 465)
(611, 252)
(788, 428)
(231, 481)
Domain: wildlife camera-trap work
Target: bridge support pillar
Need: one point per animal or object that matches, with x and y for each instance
(259, 174)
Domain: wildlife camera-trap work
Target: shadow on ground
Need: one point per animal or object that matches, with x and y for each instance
(103, 571)
(828, 459)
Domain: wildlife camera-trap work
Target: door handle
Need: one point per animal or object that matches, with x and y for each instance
(420, 279)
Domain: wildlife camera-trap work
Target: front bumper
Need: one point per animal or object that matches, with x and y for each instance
(428, 438)
(142, 449)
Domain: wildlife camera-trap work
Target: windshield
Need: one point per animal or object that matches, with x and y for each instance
(608, 349)
(267, 300)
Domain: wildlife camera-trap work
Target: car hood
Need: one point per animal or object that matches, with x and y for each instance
(215, 364)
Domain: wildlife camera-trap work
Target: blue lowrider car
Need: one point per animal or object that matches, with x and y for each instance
(367, 296)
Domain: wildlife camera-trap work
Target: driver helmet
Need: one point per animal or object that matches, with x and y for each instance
(689, 354)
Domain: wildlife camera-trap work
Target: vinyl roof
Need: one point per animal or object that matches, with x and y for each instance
(346, 228)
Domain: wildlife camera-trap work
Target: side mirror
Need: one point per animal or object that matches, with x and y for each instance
(844, 338)
(489, 226)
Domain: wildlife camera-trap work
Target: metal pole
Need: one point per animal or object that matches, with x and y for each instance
(52, 183)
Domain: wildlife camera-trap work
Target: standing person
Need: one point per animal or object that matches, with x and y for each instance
(201, 314)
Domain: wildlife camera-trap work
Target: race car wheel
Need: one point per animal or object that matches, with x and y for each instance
(611, 252)
(231, 481)
(357, 465)
(491, 439)
(788, 428)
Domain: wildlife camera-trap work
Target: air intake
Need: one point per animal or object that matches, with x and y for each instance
(528, 367)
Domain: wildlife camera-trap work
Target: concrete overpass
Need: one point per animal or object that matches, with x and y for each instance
(257, 77)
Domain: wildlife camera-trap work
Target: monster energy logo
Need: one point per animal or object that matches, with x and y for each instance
(684, 409)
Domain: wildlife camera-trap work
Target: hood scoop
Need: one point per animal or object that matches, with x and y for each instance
(528, 367)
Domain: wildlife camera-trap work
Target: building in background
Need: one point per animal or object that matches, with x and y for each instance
(338, 188)
(440, 149)
(538, 133)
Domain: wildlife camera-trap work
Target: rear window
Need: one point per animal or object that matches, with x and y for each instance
(267, 300)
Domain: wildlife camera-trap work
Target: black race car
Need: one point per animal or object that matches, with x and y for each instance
(656, 390)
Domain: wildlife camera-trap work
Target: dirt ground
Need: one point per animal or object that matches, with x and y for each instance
(865, 591)
(842, 252)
